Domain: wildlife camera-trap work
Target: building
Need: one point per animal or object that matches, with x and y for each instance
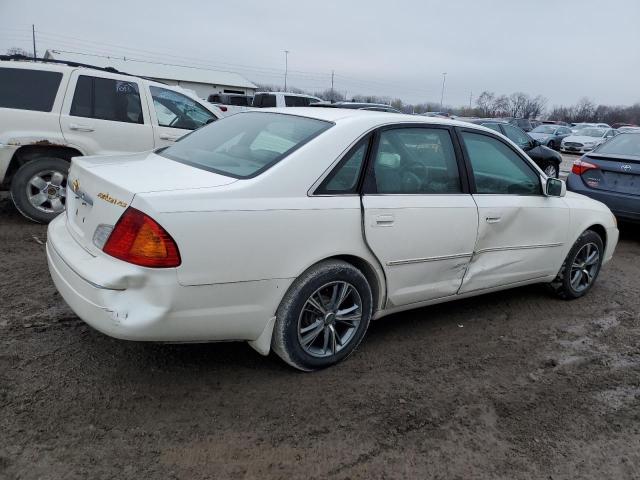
(202, 81)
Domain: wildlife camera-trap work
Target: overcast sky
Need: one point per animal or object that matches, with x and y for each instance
(562, 49)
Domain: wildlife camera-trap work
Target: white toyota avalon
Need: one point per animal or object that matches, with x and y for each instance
(292, 229)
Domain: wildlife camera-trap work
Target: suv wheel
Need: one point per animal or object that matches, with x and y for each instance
(38, 188)
(323, 317)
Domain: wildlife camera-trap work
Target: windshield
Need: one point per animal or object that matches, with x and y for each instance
(544, 129)
(592, 132)
(624, 144)
(245, 144)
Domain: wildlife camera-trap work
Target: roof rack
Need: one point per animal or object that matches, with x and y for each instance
(72, 64)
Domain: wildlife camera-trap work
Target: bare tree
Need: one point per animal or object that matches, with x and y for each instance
(485, 103)
(18, 51)
(584, 111)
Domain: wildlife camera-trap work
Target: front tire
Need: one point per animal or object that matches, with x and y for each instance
(38, 189)
(323, 316)
(552, 145)
(581, 267)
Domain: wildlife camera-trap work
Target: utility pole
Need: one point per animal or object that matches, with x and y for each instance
(470, 99)
(333, 99)
(33, 32)
(444, 78)
(286, 68)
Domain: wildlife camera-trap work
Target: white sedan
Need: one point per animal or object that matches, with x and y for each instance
(292, 229)
(586, 139)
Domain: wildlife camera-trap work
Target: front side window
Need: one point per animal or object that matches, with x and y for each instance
(176, 110)
(497, 169)
(246, 144)
(107, 99)
(25, 89)
(517, 136)
(416, 161)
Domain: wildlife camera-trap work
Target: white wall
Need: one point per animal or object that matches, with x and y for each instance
(203, 90)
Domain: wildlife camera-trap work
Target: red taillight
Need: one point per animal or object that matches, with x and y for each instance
(222, 107)
(137, 238)
(580, 166)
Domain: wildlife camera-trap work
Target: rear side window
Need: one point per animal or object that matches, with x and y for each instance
(416, 161)
(264, 101)
(24, 89)
(107, 99)
(239, 101)
(246, 144)
(344, 178)
(492, 126)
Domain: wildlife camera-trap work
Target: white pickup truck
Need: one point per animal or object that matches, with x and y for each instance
(53, 111)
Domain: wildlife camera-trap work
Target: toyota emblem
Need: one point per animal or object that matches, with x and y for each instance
(626, 167)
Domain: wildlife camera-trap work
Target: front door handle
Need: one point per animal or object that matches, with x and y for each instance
(171, 138)
(81, 128)
(384, 220)
(493, 219)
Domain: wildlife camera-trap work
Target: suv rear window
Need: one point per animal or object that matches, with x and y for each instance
(264, 100)
(246, 144)
(25, 89)
(293, 101)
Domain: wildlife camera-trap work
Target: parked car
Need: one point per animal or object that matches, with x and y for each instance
(586, 139)
(51, 112)
(522, 123)
(611, 174)
(230, 103)
(377, 107)
(547, 159)
(628, 129)
(293, 231)
(555, 122)
(579, 126)
(535, 123)
(283, 99)
(550, 135)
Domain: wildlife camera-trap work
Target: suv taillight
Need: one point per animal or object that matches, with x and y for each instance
(580, 166)
(139, 239)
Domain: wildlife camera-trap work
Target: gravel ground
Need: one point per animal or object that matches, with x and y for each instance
(509, 385)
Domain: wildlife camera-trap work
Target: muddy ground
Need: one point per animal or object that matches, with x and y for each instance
(509, 385)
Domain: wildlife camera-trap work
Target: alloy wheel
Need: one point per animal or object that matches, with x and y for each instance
(46, 191)
(585, 267)
(329, 319)
(551, 171)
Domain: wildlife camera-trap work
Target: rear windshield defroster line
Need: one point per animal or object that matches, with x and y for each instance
(245, 144)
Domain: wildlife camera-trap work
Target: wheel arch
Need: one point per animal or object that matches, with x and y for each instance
(601, 231)
(27, 153)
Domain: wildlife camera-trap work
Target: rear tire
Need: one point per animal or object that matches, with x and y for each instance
(323, 316)
(38, 189)
(581, 267)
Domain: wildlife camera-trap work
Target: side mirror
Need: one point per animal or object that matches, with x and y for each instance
(555, 188)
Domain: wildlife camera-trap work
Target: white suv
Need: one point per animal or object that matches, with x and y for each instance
(51, 112)
(283, 99)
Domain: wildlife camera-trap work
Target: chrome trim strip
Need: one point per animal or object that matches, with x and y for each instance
(518, 247)
(429, 259)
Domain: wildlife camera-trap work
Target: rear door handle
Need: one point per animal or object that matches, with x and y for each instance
(171, 138)
(81, 128)
(384, 220)
(493, 219)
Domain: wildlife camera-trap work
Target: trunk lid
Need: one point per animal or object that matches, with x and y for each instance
(99, 189)
(615, 173)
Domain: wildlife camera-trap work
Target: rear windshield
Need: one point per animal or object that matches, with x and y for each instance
(623, 144)
(246, 144)
(25, 89)
(264, 101)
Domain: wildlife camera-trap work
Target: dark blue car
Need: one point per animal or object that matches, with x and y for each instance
(611, 174)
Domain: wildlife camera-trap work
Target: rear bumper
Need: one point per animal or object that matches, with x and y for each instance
(623, 206)
(150, 304)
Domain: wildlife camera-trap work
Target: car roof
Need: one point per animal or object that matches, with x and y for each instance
(291, 94)
(338, 115)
